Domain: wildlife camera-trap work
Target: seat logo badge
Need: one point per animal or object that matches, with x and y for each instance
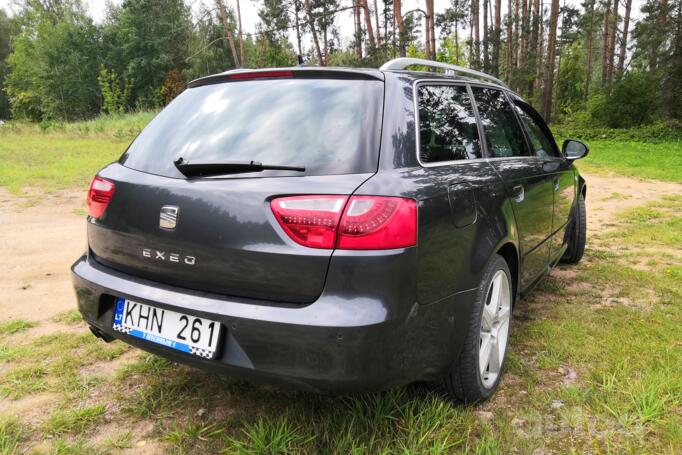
(168, 218)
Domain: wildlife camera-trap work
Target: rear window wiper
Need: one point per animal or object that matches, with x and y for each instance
(210, 168)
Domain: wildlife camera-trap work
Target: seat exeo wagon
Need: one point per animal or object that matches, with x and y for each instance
(332, 229)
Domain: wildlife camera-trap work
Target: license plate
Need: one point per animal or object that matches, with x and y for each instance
(190, 334)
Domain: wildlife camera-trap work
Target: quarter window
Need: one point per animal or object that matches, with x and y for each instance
(447, 124)
(502, 131)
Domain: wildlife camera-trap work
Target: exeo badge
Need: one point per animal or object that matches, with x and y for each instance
(168, 257)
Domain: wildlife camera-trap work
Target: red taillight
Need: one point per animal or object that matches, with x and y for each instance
(99, 196)
(310, 220)
(355, 223)
(260, 74)
(378, 223)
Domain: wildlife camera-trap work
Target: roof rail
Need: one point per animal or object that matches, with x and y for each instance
(403, 62)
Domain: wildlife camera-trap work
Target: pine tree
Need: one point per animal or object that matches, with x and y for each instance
(549, 68)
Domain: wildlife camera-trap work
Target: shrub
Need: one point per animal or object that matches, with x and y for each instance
(630, 101)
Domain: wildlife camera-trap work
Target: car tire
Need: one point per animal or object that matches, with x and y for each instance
(477, 371)
(578, 236)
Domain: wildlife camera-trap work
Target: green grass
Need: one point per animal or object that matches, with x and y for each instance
(23, 381)
(17, 325)
(656, 224)
(74, 420)
(660, 161)
(57, 156)
(71, 317)
(11, 434)
(52, 363)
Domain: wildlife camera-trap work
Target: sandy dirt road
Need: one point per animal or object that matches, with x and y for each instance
(40, 241)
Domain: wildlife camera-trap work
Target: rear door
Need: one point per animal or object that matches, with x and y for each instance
(528, 185)
(225, 238)
(451, 158)
(563, 177)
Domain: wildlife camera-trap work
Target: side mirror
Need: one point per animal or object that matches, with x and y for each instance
(574, 150)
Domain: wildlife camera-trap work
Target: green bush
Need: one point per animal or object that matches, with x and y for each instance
(629, 102)
(581, 126)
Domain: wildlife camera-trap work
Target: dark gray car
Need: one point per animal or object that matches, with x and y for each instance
(332, 229)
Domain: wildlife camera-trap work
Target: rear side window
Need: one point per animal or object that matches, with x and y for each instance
(502, 131)
(541, 140)
(328, 126)
(447, 124)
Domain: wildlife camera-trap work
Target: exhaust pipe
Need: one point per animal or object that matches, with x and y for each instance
(101, 335)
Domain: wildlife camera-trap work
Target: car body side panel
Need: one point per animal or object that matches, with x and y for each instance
(533, 213)
(450, 259)
(565, 191)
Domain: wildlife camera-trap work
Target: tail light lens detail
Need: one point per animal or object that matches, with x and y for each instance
(99, 196)
(310, 220)
(355, 223)
(378, 223)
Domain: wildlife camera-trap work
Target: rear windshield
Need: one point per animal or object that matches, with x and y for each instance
(328, 126)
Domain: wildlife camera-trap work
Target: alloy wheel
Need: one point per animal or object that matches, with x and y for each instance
(494, 329)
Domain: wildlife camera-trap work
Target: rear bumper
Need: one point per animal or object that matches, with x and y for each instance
(339, 343)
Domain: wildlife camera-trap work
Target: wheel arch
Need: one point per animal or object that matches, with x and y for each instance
(510, 254)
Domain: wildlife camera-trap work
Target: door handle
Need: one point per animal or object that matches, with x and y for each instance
(518, 193)
(555, 183)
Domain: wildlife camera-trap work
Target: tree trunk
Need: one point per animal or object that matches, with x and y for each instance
(607, 35)
(533, 47)
(560, 46)
(624, 38)
(476, 60)
(325, 39)
(510, 44)
(549, 68)
(378, 27)
(662, 20)
(456, 45)
(486, 59)
(432, 26)
(228, 32)
(515, 55)
(239, 30)
(368, 23)
(497, 36)
(541, 49)
(385, 14)
(313, 30)
(525, 32)
(590, 39)
(298, 30)
(612, 41)
(358, 29)
(397, 8)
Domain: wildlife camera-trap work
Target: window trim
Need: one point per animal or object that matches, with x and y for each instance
(415, 96)
(557, 153)
(505, 93)
(481, 134)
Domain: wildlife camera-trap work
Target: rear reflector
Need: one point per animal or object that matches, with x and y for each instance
(99, 196)
(355, 223)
